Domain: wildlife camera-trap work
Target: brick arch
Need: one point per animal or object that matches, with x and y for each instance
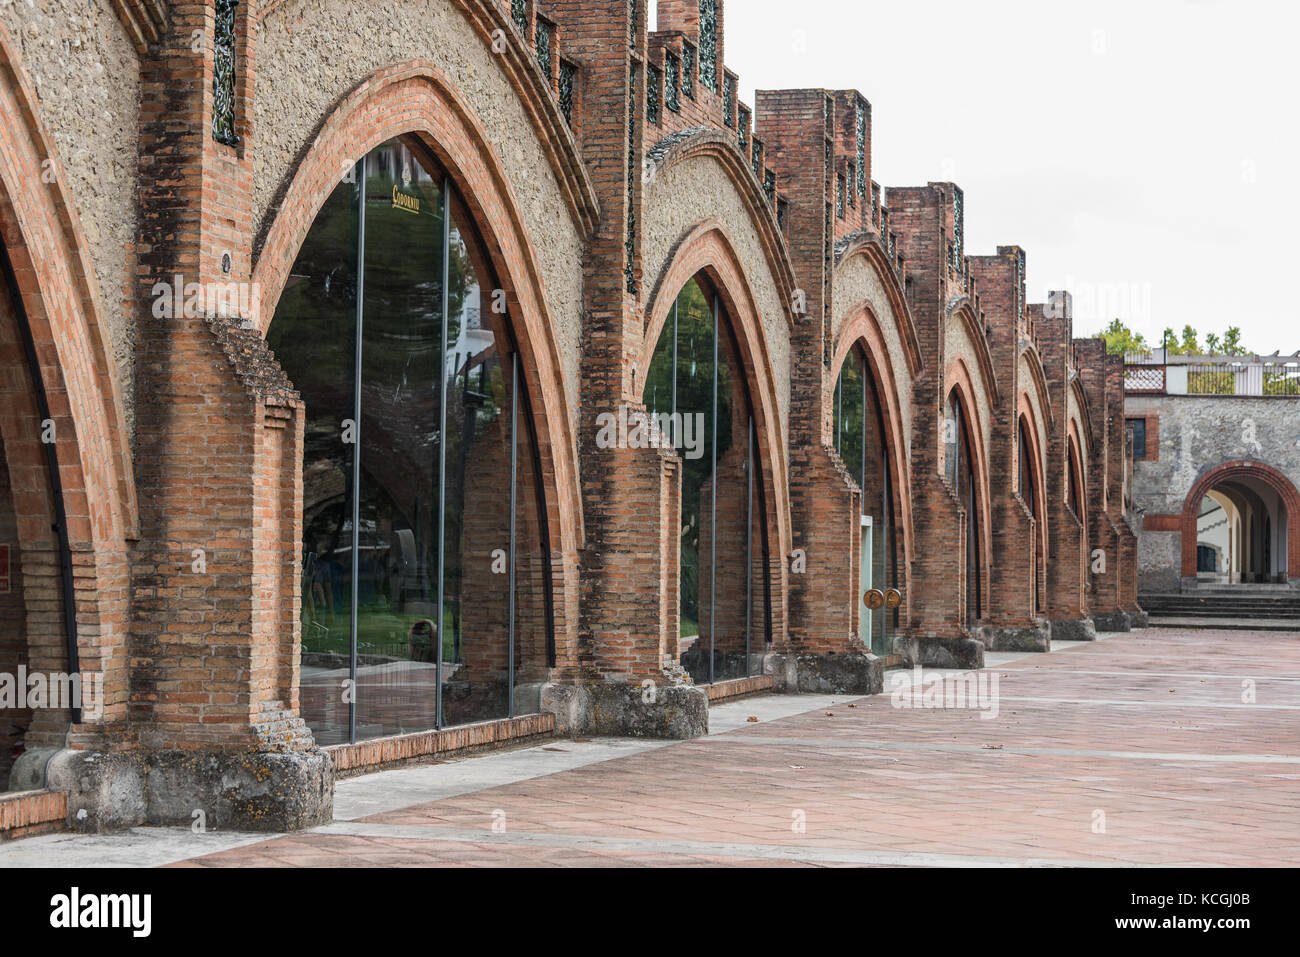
(50, 290)
(417, 99)
(869, 246)
(721, 148)
(1074, 444)
(708, 250)
(1025, 412)
(863, 328)
(1241, 469)
(958, 380)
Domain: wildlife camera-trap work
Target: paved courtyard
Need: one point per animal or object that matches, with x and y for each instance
(1159, 747)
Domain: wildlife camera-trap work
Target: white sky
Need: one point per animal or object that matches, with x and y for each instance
(1145, 153)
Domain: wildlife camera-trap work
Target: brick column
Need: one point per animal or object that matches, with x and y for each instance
(1011, 623)
(924, 219)
(215, 573)
(1067, 564)
(629, 680)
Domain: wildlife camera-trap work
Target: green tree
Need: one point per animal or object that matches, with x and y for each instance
(1189, 344)
(1232, 342)
(1169, 341)
(1120, 339)
(1212, 343)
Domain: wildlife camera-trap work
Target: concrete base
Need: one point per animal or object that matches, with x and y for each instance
(1138, 619)
(1034, 639)
(626, 710)
(238, 791)
(1073, 629)
(931, 652)
(1112, 621)
(858, 673)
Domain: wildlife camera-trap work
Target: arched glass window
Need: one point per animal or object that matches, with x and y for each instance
(1072, 479)
(959, 466)
(858, 427)
(695, 387)
(425, 588)
(1027, 484)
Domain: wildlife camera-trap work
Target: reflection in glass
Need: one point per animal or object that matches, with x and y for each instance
(313, 335)
(450, 550)
(859, 435)
(696, 379)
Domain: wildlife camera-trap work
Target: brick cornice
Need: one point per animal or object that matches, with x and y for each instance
(145, 21)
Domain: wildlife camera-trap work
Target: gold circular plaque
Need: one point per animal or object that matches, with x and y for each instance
(893, 598)
(874, 599)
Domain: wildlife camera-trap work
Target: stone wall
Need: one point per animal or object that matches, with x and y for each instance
(1192, 435)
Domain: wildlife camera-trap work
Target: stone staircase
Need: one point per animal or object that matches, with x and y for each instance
(1248, 607)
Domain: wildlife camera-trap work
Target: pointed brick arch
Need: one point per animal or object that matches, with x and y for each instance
(51, 295)
(862, 328)
(1241, 469)
(708, 250)
(417, 99)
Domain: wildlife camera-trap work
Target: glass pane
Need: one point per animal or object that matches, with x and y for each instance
(731, 573)
(313, 334)
(400, 404)
(695, 381)
(533, 653)
(476, 605)
(758, 583)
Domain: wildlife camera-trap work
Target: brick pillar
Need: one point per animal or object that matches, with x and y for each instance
(628, 680)
(1068, 558)
(1102, 377)
(924, 218)
(215, 573)
(1011, 623)
(806, 135)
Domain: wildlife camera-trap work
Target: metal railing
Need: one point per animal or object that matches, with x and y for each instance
(1243, 377)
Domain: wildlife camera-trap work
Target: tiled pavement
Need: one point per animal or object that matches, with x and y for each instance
(1159, 747)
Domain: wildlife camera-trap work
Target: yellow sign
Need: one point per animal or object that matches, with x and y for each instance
(405, 201)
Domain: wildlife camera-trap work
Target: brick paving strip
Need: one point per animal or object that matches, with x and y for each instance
(1152, 732)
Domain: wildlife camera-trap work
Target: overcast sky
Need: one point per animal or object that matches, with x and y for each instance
(1145, 153)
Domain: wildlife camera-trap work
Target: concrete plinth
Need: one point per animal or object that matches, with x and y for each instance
(932, 652)
(855, 673)
(628, 710)
(1073, 629)
(241, 790)
(1036, 638)
(1112, 621)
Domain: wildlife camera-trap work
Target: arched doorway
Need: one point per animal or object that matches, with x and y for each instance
(426, 593)
(1238, 526)
(1235, 540)
(859, 434)
(696, 389)
(1027, 479)
(960, 470)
